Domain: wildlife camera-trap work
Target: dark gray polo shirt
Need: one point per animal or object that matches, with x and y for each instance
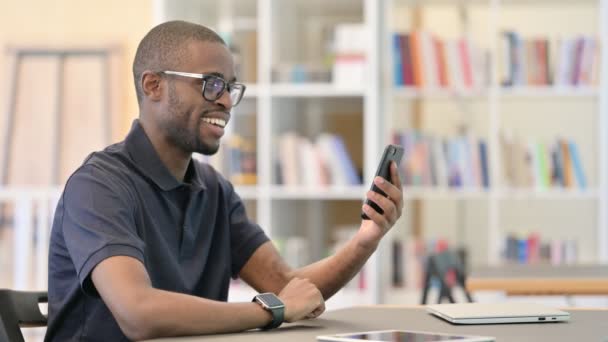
(191, 236)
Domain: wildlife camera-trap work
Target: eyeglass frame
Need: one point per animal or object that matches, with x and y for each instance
(204, 77)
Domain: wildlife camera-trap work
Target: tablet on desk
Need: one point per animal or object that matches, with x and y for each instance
(402, 336)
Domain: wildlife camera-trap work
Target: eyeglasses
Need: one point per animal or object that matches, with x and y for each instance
(215, 86)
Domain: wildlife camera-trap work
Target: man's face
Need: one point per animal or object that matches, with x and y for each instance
(191, 122)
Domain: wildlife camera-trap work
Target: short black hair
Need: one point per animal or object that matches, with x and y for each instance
(164, 48)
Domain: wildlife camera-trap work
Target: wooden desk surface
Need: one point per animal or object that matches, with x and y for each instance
(584, 325)
(541, 279)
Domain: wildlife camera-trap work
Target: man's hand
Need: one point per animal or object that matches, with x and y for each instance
(302, 299)
(373, 230)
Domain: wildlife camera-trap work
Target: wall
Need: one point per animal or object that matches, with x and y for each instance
(70, 23)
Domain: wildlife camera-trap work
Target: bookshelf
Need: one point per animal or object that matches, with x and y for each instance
(292, 36)
(541, 112)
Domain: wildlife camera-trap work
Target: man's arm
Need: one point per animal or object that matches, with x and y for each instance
(143, 312)
(266, 270)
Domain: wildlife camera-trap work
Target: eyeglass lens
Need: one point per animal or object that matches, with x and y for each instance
(214, 88)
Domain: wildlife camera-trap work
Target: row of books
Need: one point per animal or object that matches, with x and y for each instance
(421, 59)
(540, 165)
(531, 249)
(236, 160)
(323, 162)
(455, 162)
(541, 62)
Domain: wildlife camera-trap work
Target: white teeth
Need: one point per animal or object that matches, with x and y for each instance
(215, 121)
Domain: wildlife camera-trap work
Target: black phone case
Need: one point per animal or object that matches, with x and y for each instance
(391, 153)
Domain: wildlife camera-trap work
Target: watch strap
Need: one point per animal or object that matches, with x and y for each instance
(278, 315)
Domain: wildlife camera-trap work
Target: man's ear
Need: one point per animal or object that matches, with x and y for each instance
(151, 85)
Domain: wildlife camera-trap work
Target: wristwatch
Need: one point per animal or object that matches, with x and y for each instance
(272, 303)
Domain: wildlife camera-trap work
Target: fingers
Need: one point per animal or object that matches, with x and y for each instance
(387, 205)
(393, 192)
(316, 312)
(302, 299)
(378, 219)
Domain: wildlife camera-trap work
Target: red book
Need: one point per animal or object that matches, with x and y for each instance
(465, 60)
(406, 60)
(533, 245)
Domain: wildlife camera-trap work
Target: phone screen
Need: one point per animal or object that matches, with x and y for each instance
(391, 153)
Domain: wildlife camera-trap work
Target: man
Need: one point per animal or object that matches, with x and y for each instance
(145, 239)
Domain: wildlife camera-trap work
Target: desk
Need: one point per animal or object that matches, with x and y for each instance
(541, 279)
(584, 325)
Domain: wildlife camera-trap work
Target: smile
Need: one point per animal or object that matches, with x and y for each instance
(214, 121)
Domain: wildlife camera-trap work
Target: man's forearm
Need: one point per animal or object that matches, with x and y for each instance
(163, 313)
(332, 273)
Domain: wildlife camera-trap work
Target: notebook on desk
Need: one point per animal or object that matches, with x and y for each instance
(492, 313)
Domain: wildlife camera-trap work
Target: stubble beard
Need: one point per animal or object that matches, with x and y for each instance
(177, 131)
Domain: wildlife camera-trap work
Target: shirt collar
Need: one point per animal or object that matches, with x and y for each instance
(144, 155)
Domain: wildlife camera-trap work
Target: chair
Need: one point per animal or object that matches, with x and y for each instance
(438, 266)
(19, 308)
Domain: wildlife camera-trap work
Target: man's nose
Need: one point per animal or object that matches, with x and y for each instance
(225, 100)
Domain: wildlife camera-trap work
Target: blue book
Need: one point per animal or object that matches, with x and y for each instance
(397, 60)
(522, 251)
(579, 174)
(345, 161)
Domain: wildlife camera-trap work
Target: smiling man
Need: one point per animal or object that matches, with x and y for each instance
(145, 238)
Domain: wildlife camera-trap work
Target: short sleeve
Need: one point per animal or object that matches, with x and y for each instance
(245, 236)
(98, 222)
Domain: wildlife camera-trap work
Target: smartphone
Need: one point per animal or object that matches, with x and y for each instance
(391, 153)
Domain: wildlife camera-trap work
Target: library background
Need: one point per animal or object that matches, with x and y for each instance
(501, 106)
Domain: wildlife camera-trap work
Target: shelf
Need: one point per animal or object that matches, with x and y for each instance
(551, 2)
(328, 193)
(503, 92)
(12, 193)
(477, 193)
(410, 192)
(503, 2)
(247, 192)
(314, 90)
(542, 92)
(564, 194)
(251, 91)
(240, 293)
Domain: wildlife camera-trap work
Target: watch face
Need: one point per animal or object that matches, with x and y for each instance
(270, 300)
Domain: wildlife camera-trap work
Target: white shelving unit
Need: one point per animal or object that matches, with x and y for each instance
(496, 101)
(275, 105)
